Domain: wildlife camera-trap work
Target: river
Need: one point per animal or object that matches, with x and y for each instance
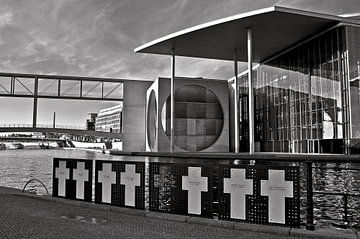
(19, 166)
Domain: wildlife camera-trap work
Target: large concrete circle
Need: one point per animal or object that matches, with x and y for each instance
(198, 120)
(151, 120)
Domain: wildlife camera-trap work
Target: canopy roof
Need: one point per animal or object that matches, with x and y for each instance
(273, 29)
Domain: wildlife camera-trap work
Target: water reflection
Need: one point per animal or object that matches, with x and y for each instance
(337, 179)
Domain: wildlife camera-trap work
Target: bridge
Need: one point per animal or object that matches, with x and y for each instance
(59, 87)
(30, 139)
(8, 128)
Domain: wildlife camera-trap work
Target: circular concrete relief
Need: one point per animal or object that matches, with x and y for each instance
(198, 120)
(151, 120)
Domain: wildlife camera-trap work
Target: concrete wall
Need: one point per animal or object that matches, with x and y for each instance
(219, 88)
(134, 115)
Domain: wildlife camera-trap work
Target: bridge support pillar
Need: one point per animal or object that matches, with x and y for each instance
(35, 102)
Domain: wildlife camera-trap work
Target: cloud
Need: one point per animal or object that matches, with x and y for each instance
(97, 37)
(5, 18)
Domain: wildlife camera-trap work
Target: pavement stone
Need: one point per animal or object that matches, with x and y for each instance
(24, 215)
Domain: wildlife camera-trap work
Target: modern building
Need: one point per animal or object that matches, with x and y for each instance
(201, 122)
(110, 120)
(300, 94)
(90, 122)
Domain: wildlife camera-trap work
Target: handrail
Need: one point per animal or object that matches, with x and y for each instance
(318, 158)
(35, 179)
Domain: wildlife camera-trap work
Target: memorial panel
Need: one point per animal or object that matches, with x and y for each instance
(260, 194)
(72, 178)
(120, 183)
(181, 189)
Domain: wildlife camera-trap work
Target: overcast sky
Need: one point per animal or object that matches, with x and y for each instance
(97, 37)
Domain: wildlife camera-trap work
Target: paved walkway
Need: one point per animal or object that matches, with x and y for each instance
(27, 216)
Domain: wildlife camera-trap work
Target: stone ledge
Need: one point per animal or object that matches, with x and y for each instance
(285, 231)
(323, 233)
(167, 216)
(211, 222)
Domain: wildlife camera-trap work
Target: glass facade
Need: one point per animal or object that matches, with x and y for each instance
(301, 97)
(353, 43)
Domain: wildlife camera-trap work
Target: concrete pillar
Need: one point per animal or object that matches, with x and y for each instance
(172, 99)
(236, 104)
(251, 94)
(35, 102)
(54, 120)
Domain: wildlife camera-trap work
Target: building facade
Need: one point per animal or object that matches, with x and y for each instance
(110, 120)
(305, 90)
(201, 121)
(307, 98)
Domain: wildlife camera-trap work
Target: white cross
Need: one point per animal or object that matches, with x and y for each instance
(130, 179)
(237, 185)
(195, 184)
(107, 177)
(81, 175)
(276, 188)
(62, 173)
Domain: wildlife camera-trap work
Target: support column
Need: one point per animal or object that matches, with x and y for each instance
(35, 102)
(172, 104)
(251, 94)
(236, 104)
(54, 120)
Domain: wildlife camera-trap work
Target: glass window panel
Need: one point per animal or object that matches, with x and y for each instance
(5, 85)
(70, 88)
(48, 87)
(92, 89)
(24, 86)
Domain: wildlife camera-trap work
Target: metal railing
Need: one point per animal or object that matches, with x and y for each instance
(35, 180)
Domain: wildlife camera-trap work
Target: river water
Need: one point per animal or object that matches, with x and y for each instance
(19, 166)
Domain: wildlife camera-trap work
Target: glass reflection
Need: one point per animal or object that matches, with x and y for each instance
(299, 106)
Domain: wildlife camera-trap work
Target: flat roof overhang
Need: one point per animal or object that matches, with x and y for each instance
(273, 30)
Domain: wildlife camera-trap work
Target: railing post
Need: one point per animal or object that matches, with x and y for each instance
(309, 196)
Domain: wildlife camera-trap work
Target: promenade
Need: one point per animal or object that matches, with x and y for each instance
(24, 215)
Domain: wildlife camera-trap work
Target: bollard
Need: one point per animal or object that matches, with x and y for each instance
(309, 196)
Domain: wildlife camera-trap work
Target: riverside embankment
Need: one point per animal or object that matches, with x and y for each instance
(25, 215)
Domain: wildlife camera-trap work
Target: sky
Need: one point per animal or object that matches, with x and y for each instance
(97, 38)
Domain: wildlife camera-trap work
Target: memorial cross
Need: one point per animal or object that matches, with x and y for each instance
(62, 173)
(195, 184)
(130, 179)
(107, 177)
(238, 186)
(81, 175)
(277, 189)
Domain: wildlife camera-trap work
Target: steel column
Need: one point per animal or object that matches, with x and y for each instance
(59, 88)
(172, 105)
(54, 120)
(251, 94)
(236, 104)
(35, 102)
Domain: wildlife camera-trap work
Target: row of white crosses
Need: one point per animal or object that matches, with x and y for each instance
(129, 178)
(276, 188)
(80, 175)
